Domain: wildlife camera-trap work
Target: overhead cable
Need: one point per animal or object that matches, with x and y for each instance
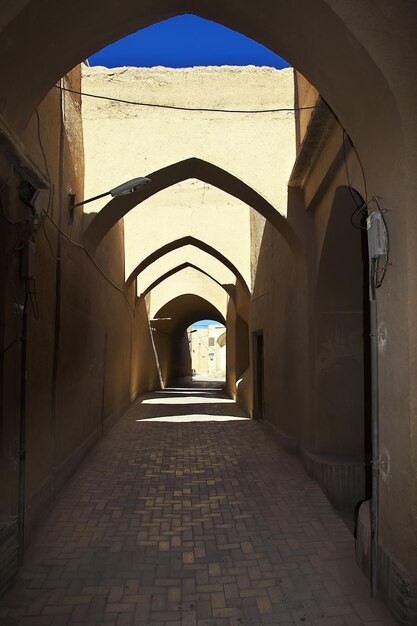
(90, 256)
(183, 108)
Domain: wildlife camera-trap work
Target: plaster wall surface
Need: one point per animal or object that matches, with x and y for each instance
(327, 371)
(189, 208)
(83, 366)
(306, 97)
(150, 138)
(123, 141)
(47, 141)
(277, 311)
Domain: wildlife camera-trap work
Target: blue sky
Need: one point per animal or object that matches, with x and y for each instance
(205, 323)
(186, 41)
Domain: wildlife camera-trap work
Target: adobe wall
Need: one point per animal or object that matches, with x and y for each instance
(366, 80)
(83, 335)
(123, 141)
(187, 281)
(317, 346)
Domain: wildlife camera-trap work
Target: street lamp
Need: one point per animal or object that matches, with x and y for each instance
(121, 190)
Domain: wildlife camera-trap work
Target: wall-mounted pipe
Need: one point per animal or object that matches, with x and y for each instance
(374, 429)
(22, 433)
(155, 351)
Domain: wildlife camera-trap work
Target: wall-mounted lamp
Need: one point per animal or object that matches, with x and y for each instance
(121, 190)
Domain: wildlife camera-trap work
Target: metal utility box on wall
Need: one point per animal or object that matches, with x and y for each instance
(377, 235)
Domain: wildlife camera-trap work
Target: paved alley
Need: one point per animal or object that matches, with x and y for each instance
(187, 513)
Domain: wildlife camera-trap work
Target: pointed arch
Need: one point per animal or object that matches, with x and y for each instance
(186, 309)
(180, 243)
(229, 289)
(170, 336)
(25, 50)
(165, 177)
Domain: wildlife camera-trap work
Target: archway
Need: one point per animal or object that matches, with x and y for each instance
(179, 243)
(360, 62)
(114, 210)
(170, 334)
(351, 66)
(228, 288)
(207, 341)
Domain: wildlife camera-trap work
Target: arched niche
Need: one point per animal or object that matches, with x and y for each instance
(341, 349)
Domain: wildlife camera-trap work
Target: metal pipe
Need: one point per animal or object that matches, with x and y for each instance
(101, 195)
(374, 430)
(155, 351)
(22, 434)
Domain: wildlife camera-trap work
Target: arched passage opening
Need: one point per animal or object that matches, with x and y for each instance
(236, 358)
(180, 243)
(358, 64)
(171, 338)
(228, 288)
(352, 51)
(114, 210)
(207, 341)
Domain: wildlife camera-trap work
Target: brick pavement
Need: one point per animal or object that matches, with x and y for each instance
(205, 523)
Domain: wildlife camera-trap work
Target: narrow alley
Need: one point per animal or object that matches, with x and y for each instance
(189, 513)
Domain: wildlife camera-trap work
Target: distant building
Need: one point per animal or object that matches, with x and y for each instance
(208, 350)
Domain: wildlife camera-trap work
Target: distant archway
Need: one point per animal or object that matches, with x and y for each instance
(184, 310)
(180, 243)
(228, 288)
(170, 334)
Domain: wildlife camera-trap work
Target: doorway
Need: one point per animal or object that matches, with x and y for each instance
(258, 374)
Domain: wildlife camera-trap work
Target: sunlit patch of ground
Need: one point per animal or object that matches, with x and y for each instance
(195, 418)
(188, 400)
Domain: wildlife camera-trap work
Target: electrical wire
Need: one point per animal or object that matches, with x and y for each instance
(57, 258)
(90, 256)
(2, 211)
(183, 108)
(50, 245)
(347, 169)
(41, 145)
(361, 207)
(33, 297)
(377, 273)
(363, 211)
(17, 248)
(45, 160)
(365, 184)
(16, 340)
